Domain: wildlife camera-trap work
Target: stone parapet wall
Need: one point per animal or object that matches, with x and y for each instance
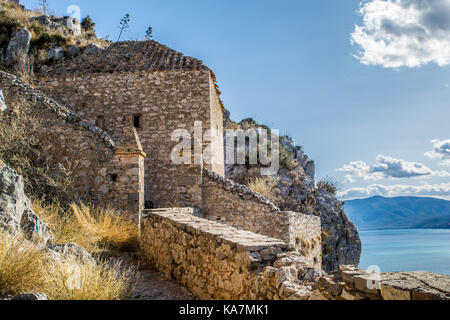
(230, 203)
(216, 261)
(304, 235)
(224, 187)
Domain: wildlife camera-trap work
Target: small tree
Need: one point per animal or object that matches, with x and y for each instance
(87, 23)
(44, 5)
(123, 25)
(149, 33)
(329, 184)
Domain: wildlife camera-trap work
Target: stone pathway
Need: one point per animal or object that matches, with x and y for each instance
(152, 285)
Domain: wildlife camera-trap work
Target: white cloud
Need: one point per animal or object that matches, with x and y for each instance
(431, 190)
(397, 33)
(387, 168)
(358, 170)
(441, 151)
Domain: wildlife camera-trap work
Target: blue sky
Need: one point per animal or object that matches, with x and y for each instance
(291, 65)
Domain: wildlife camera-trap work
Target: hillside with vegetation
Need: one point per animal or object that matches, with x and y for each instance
(51, 38)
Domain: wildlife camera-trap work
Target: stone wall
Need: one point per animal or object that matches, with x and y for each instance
(216, 261)
(212, 260)
(303, 233)
(236, 205)
(157, 99)
(98, 162)
(218, 152)
(127, 174)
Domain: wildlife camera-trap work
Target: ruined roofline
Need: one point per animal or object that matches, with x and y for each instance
(36, 97)
(127, 56)
(243, 191)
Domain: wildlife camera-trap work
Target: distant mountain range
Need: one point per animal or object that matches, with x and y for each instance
(378, 213)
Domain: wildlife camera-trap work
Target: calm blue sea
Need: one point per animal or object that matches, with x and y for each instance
(407, 250)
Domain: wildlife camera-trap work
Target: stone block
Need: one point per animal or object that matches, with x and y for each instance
(187, 181)
(389, 292)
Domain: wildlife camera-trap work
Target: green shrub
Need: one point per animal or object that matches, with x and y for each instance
(87, 24)
(37, 29)
(250, 121)
(329, 184)
(45, 40)
(7, 27)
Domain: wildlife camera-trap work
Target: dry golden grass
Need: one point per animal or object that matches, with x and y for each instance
(15, 12)
(110, 228)
(71, 280)
(20, 266)
(264, 186)
(27, 268)
(95, 229)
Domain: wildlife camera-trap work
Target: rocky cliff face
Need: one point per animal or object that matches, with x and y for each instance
(17, 219)
(295, 190)
(340, 238)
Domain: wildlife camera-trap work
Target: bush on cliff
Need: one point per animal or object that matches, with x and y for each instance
(87, 23)
(329, 184)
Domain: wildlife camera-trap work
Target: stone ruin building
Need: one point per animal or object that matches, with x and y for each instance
(147, 86)
(150, 89)
(114, 110)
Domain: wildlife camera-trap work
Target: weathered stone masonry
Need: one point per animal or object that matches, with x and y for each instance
(230, 203)
(213, 261)
(105, 171)
(219, 199)
(233, 243)
(146, 85)
(158, 90)
(216, 261)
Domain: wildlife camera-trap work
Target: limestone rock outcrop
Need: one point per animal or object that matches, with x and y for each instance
(73, 51)
(18, 218)
(17, 51)
(340, 238)
(3, 105)
(18, 46)
(349, 283)
(30, 296)
(67, 24)
(16, 214)
(56, 54)
(73, 25)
